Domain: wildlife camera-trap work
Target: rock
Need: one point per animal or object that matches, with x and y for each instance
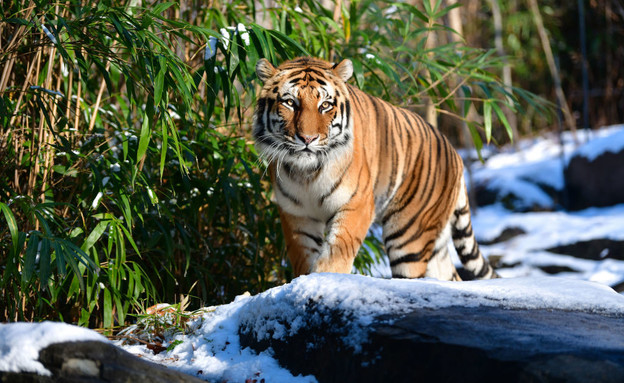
(595, 181)
(594, 249)
(94, 362)
(467, 344)
(507, 234)
(516, 194)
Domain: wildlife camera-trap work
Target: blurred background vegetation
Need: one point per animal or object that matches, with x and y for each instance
(127, 174)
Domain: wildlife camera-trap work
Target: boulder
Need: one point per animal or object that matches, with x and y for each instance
(595, 180)
(516, 194)
(466, 343)
(594, 249)
(95, 362)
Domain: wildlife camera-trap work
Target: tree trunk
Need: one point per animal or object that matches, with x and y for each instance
(455, 22)
(432, 40)
(498, 42)
(554, 71)
(609, 101)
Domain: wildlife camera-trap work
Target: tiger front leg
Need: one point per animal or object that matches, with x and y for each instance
(314, 246)
(304, 241)
(345, 234)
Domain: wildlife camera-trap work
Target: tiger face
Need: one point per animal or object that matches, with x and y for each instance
(303, 117)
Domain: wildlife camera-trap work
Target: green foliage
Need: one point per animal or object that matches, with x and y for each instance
(129, 174)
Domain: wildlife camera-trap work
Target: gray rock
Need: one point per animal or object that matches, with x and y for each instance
(458, 344)
(599, 182)
(491, 191)
(593, 249)
(96, 362)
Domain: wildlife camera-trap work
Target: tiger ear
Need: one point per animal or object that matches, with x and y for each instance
(344, 70)
(265, 70)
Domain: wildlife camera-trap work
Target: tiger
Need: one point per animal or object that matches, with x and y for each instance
(340, 159)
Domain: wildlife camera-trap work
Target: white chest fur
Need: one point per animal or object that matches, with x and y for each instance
(318, 198)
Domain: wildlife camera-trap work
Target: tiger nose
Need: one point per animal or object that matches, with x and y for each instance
(307, 138)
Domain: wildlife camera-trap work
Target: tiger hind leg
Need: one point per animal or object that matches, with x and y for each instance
(465, 243)
(420, 252)
(441, 266)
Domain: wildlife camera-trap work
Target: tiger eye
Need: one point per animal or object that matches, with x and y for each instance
(326, 105)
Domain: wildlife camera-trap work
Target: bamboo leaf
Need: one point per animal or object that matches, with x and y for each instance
(160, 8)
(428, 9)
(487, 120)
(108, 309)
(144, 139)
(476, 138)
(44, 263)
(467, 94)
(287, 41)
(125, 209)
(81, 256)
(12, 224)
(129, 238)
(94, 236)
(165, 145)
(413, 10)
(159, 82)
(30, 257)
(358, 72)
(503, 119)
(121, 310)
(71, 261)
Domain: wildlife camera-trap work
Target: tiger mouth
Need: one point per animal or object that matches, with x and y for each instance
(302, 148)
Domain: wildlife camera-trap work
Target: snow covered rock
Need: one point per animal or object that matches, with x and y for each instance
(58, 352)
(532, 178)
(361, 329)
(595, 173)
(103, 362)
(521, 195)
(527, 179)
(352, 328)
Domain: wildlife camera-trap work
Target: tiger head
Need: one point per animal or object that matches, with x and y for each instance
(303, 115)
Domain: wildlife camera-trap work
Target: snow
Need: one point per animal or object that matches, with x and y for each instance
(210, 348)
(608, 141)
(539, 162)
(213, 347)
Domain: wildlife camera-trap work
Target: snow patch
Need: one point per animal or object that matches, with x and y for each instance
(608, 140)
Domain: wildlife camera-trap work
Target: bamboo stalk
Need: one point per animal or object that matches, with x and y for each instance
(34, 151)
(78, 97)
(16, 174)
(48, 152)
(25, 85)
(70, 91)
(7, 71)
(337, 11)
(17, 38)
(98, 100)
(70, 86)
(48, 149)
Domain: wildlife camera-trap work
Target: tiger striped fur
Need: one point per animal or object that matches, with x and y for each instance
(339, 159)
